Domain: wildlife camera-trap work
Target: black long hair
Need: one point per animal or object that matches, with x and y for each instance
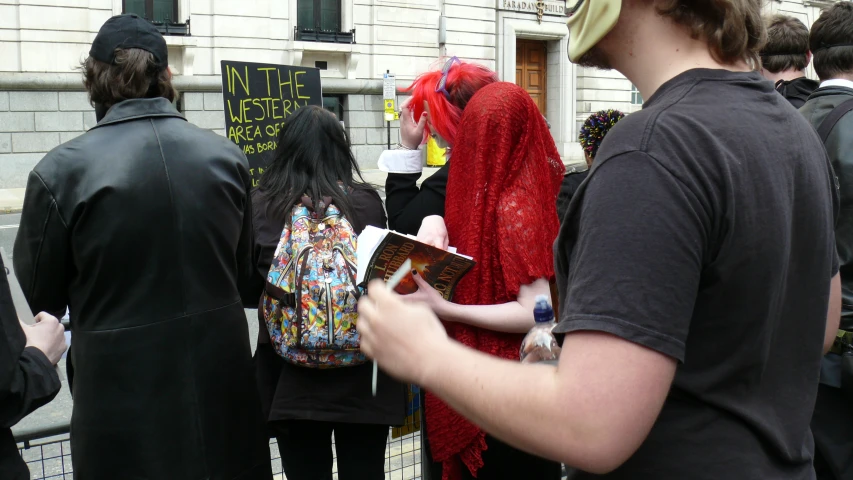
(313, 157)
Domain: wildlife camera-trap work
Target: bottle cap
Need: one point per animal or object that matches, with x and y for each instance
(543, 312)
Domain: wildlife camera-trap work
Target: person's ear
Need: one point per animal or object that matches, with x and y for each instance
(169, 69)
(808, 58)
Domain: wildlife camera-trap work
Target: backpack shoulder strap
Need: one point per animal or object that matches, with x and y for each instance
(833, 118)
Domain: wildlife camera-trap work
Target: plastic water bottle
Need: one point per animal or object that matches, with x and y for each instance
(540, 345)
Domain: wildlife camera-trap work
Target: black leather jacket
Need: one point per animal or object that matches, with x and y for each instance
(143, 227)
(839, 146)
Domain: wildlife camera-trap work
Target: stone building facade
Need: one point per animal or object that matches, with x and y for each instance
(354, 42)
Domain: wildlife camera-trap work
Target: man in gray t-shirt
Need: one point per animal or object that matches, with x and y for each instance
(696, 269)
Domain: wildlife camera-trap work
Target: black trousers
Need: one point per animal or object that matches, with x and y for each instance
(503, 462)
(500, 461)
(832, 427)
(306, 449)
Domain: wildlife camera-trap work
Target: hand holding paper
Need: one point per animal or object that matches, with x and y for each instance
(433, 232)
(44, 331)
(48, 335)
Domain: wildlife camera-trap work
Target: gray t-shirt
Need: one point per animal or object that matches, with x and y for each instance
(705, 232)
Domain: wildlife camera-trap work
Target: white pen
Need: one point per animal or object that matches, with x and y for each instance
(395, 280)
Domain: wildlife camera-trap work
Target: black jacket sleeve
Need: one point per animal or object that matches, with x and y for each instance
(367, 207)
(570, 184)
(408, 205)
(27, 379)
(249, 281)
(253, 286)
(29, 384)
(42, 253)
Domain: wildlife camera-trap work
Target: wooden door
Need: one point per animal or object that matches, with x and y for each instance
(531, 63)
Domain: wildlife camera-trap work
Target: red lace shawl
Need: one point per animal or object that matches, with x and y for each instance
(501, 210)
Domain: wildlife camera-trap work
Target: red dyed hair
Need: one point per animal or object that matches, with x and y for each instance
(464, 79)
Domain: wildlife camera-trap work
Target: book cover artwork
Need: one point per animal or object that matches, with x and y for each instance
(381, 252)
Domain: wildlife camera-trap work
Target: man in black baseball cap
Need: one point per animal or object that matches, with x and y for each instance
(129, 31)
(122, 36)
(143, 227)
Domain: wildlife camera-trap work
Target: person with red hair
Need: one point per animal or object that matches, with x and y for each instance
(435, 107)
(500, 210)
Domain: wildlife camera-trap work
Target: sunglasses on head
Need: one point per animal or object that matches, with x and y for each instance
(442, 83)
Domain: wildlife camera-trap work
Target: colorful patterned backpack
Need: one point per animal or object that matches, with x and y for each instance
(311, 293)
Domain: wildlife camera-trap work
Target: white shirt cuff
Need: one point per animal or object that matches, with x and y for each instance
(401, 161)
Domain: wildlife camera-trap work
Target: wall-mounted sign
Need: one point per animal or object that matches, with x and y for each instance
(389, 95)
(540, 8)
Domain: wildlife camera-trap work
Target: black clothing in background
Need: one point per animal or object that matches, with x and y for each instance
(833, 413)
(839, 147)
(571, 181)
(797, 91)
(503, 462)
(292, 392)
(705, 232)
(831, 425)
(408, 205)
(306, 449)
(27, 381)
(142, 226)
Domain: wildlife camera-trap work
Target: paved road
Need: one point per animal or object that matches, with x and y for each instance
(8, 230)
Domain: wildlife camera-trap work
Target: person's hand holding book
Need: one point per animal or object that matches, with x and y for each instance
(397, 333)
(434, 232)
(427, 295)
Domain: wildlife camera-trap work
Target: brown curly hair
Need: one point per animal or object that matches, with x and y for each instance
(135, 74)
(734, 29)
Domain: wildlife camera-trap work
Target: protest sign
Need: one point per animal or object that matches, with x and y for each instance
(258, 97)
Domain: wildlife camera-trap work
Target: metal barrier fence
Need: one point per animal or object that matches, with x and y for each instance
(47, 449)
(49, 458)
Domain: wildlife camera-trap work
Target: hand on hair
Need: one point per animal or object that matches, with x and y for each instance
(411, 132)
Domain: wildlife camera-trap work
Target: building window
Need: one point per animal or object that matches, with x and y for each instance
(320, 21)
(334, 104)
(636, 98)
(162, 13)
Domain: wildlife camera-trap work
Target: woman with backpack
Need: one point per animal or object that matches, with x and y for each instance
(309, 206)
(501, 209)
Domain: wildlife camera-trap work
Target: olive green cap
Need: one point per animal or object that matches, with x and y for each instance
(590, 23)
